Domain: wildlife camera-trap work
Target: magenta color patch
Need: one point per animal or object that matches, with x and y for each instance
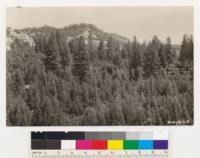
(83, 144)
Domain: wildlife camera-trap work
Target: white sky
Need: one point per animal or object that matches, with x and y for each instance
(144, 22)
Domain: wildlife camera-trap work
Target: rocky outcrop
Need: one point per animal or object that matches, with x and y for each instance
(12, 35)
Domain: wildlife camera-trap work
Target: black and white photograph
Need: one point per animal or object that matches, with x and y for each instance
(99, 66)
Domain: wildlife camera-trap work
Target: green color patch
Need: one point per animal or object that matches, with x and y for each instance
(130, 144)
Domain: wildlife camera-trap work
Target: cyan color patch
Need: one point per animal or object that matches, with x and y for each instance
(145, 144)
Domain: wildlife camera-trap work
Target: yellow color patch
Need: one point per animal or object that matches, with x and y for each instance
(115, 144)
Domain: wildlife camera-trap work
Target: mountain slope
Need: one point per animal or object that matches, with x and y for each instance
(77, 29)
(74, 31)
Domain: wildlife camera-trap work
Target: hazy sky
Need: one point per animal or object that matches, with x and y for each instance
(144, 22)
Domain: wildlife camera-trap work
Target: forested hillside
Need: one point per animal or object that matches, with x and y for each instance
(80, 75)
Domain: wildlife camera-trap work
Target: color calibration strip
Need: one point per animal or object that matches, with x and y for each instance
(99, 140)
(99, 144)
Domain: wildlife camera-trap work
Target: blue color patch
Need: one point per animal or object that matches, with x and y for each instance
(145, 144)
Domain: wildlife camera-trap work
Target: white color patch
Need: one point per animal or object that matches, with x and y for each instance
(68, 144)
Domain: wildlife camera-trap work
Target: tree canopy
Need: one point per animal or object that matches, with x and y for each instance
(84, 81)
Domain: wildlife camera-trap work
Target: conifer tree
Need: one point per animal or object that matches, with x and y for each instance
(183, 51)
(136, 58)
(90, 117)
(101, 50)
(64, 49)
(81, 60)
(52, 59)
(91, 48)
(20, 115)
(163, 57)
(110, 48)
(124, 53)
(191, 47)
(116, 114)
(169, 51)
(152, 61)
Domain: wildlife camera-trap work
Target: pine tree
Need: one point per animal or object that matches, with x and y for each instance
(64, 49)
(101, 50)
(116, 114)
(40, 44)
(124, 53)
(91, 48)
(52, 59)
(81, 60)
(110, 48)
(169, 52)
(186, 53)
(163, 57)
(136, 58)
(152, 61)
(90, 117)
(47, 112)
(191, 47)
(117, 58)
(183, 51)
(191, 52)
(20, 114)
